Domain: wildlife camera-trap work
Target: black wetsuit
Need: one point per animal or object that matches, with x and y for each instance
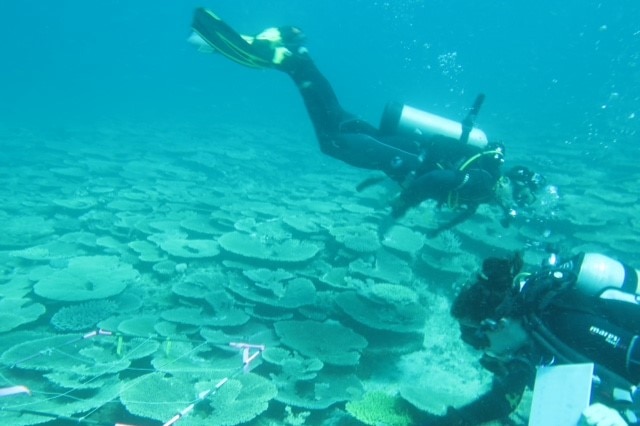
(569, 328)
(360, 144)
(513, 376)
(342, 135)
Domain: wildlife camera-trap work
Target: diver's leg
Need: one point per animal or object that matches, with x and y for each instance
(339, 133)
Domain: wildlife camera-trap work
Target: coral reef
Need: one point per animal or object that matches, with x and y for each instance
(377, 408)
(329, 342)
(83, 316)
(86, 278)
(180, 248)
(387, 307)
(268, 248)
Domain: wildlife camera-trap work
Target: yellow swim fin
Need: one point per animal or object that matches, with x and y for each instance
(225, 40)
(272, 48)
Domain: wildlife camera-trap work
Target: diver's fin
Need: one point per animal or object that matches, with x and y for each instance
(224, 39)
(200, 43)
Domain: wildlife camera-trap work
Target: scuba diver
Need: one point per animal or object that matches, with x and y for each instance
(429, 156)
(461, 188)
(583, 309)
(525, 184)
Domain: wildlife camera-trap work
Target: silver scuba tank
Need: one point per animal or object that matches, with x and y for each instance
(607, 278)
(400, 118)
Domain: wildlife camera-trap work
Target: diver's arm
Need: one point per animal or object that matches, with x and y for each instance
(435, 185)
(509, 213)
(493, 405)
(500, 401)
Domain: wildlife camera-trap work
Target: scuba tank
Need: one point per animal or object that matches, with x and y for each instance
(400, 118)
(597, 275)
(607, 278)
(593, 275)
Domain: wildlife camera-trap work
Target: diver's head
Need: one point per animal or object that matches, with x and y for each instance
(497, 337)
(500, 272)
(525, 184)
(491, 159)
(484, 298)
(493, 284)
(527, 177)
(504, 337)
(504, 192)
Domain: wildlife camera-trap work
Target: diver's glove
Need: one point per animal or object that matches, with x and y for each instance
(509, 216)
(601, 415)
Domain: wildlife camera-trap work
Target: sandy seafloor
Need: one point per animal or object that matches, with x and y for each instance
(182, 239)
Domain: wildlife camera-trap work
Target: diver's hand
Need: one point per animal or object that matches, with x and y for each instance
(509, 216)
(601, 415)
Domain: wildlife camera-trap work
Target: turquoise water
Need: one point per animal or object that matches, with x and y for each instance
(570, 66)
(180, 201)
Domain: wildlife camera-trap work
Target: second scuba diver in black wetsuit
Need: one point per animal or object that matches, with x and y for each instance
(581, 310)
(429, 156)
